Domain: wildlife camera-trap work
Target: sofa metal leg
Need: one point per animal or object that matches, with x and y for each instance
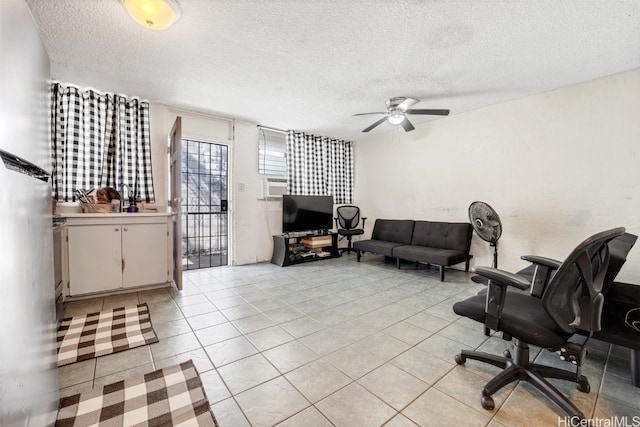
(358, 255)
(441, 272)
(634, 360)
(398, 263)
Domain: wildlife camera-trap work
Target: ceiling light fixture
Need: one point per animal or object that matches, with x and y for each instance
(153, 14)
(396, 117)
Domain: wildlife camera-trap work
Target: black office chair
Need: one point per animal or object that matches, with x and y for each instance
(347, 223)
(571, 304)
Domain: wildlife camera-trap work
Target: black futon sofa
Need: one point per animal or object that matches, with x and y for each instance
(426, 242)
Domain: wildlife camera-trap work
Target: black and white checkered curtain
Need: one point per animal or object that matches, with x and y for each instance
(99, 140)
(320, 166)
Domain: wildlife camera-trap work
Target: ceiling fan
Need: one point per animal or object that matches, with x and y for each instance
(397, 111)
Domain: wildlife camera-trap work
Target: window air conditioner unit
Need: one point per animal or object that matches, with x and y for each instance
(274, 188)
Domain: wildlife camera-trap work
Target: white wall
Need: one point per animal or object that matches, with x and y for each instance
(252, 221)
(558, 167)
(28, 371)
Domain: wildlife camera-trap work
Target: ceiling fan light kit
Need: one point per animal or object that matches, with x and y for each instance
(397, 111)
(153, 14)
(396, 117)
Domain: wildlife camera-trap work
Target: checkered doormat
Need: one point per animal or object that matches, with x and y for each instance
(105, 332)
(171, 396)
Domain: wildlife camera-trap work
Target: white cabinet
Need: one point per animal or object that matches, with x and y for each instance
(95, 258)
(122, 253)
(144, 254)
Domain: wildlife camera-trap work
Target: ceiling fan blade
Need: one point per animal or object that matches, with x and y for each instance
(406, 124)
(366, 114)
(428, 111)
(375, 124)
(407, 103)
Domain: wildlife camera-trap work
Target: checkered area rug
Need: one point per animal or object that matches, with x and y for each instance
(171, 396)
(105, 332)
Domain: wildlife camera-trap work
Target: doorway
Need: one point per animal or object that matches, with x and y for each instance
(205, 225)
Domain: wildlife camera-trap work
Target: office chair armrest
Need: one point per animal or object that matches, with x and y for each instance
(503, 278)
(499, 281)
(336, 220)
(547, 262)
(364, 218)
(544, 268)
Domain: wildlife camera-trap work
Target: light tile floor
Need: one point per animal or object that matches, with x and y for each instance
(342, 343)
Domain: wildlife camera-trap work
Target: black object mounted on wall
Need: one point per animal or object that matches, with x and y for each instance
(20, 165)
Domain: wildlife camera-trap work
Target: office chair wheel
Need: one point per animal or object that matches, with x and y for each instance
(460, 359)
(487, 402)
(583, 385)
(507, 354)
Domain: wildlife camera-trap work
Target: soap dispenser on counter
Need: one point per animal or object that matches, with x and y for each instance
(133, 207)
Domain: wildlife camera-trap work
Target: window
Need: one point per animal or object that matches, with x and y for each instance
(272, 148)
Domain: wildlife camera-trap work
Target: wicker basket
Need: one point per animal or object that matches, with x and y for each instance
(95, 208)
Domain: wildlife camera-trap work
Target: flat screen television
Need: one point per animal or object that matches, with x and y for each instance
(306, 213)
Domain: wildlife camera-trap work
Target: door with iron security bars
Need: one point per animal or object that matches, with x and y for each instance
(175, 199)
(205, 225)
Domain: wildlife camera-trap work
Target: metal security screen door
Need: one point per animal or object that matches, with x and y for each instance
(205, 225)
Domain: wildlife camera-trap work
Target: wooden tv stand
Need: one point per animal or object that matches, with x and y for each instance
(295, 248)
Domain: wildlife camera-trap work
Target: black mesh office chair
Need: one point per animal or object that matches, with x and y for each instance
(571, 304)
(621, 300)
(347, 223)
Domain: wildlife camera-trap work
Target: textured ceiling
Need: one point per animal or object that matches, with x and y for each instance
(310, 65)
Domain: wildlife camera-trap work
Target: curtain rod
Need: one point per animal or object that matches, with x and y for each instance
(272, 129)
(99, 92)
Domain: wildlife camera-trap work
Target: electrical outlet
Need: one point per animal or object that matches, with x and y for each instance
(240, 187)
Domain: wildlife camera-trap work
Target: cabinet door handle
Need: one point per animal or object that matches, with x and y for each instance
(117, 229)
(126, 229)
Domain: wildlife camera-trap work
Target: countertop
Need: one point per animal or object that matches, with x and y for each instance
(114, 215)
(76, 218)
